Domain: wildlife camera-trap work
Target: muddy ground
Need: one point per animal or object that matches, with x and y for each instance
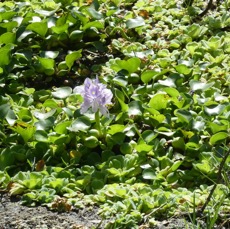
(15, 216)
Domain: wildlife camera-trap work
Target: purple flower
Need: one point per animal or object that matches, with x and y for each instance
(95, 95)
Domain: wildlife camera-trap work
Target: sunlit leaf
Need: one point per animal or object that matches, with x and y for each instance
(218, 137)
(62, 92)
(131, 65)
(116, 128)
(5, 55)
(73, 56)
(183, 115)
(196, 85)
(38, 27)
(149, 174)
(135, 22)
(135, 108)
(159, 101)
(183, 69)
(41, 115)
(215, 109)
(81, 124)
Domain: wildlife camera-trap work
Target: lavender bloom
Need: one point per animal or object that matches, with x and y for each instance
(95, 95)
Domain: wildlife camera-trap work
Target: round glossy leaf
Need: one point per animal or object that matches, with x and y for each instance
(214, 110)
(183, 115)
(45, 124)
(61, 128)
(49, 54)
(148, 136)
(76, 35)
(159, 101)
(149, 174)
(183, 69)
(126, 148)
(41, 136)
(196, 85)
(40, 115)
(73, 56)
(81, 124)
(135, 22)
(5, 55)
(146, 76)
(38, 27)
(62, 92)
(8, 37)
(91, 142)
(172, 177)
(135, 108)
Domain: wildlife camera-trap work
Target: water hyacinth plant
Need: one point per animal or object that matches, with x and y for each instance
(96, 96)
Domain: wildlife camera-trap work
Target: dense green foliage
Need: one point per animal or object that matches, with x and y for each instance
(169, 124)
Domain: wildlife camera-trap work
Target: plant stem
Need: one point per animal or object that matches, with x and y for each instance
(215, 185)
(98, 123)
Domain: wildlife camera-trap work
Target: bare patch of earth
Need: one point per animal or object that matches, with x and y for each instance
(13, 215)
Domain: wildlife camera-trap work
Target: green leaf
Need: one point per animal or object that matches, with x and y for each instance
(159, 101)
(94, 13)
(196, 85)
(5, 55)
(95, 24)
(131, 65)
(62, 92)
(40, 28)
(143, 147)
(183, 115)
(49, 54)
(120, 80)
(6, 158)
(11, 117)
(76, 35)
(135, 22)
(46, 63)
(148, 136)
(178, 143)
(217, 127)
(7, 38)
(26, 133)
(147, 75)
(169, 82)
(41, 136)
(183, 69)
(198, 125)
(9, 25)
(70, 58)
(116, 128)
(176, 165)
(81, 124)
(41, 115)
(172, 92)
(215, 109)
(61, 128)
(135, 108)
(4, 109)
(120, 97)
(149, 174)
(218, 137)
(192, 46)
(45, 124)
(204, 167)
(60, 29)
